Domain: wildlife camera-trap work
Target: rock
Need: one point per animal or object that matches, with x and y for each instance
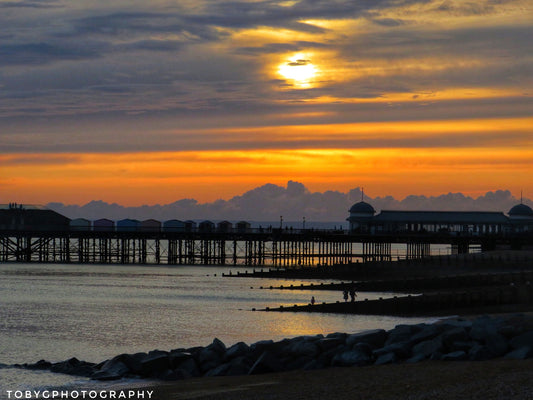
(220, 370)
(189, 367)
(461, 346)
(482, 327)
(39, 365)
(314, 364)
(154, 363)
(350, 358)
(402, 333)
(523, 340)
(400, 350)
(480, 353)
(455, 356)
(297, 363)
(73, 366)
(303, 348)
(428, 332)
(454, 335)
(239, 366)
(237, 350)
(521, 353)
(177, 357)
(329, 343)
(497, 344)
(115, 368)
(416, 358)
(428, 347)
(337, 335)
(171, 375)
(376, 338)
(387, 358)
(217, 346)
(266, 363)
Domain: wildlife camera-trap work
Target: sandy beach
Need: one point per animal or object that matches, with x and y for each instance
(431, 380)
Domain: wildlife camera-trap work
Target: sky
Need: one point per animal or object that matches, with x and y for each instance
(149, 102)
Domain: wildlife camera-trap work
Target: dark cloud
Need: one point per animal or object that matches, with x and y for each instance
(31, 4)
(269, 201)
(42, 53)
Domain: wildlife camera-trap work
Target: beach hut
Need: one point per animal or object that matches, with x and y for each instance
(206, 226)
(150, 225)
(173, 225)
(243, 226)
(190, 226)
(224, 226)
(103, 225)
(80, 224)
(128, 225)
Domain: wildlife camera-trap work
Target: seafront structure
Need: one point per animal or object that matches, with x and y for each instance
(37, 234)
(362, 219)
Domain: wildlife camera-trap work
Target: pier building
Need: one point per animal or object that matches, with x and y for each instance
(363, 219)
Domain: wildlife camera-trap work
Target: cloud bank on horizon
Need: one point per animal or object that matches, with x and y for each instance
(148, 101)
(293, 202)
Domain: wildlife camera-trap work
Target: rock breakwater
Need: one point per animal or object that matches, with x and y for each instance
(453, 339)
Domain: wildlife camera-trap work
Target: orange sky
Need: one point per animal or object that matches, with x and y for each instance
(195, 100)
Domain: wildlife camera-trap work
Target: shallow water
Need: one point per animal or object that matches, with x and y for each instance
(94, 312)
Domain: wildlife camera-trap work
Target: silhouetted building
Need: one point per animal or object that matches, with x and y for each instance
(363, 219)
(25, 217)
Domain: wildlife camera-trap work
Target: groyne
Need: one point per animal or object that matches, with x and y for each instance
(518, 297)
(422, 284)
(434, 266)
(454, 339)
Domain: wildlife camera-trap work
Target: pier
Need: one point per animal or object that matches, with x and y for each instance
(277, 248)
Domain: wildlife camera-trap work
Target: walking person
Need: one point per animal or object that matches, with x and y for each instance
(345, 295)
(352, 294)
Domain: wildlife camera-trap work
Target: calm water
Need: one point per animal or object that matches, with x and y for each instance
(94, 312)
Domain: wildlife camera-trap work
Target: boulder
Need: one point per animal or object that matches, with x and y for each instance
(239, 366)
(521, 353)
(450, 336)
(217, 346)
(303, 348)
(428, 332)
(329, 343)
(154, 363)
(116, 368)
(39, 365)
(428, 347)
(267, 362)
(189, 367)
(386, 358)
(351, 358)
(497, 344)
(401, 350)
(523, 340)
(177, 357)
(73, 366)
(416, 358)
(455, 356)
(482, 327)
(220, 370)
(375, 338)
(237, 350)
(480, 353)
(402, 333)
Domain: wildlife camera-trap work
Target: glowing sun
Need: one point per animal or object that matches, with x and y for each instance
(299, 70)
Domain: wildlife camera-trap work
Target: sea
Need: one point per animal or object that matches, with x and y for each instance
(95, 312)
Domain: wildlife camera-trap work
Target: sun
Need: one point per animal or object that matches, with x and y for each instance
(299, 70)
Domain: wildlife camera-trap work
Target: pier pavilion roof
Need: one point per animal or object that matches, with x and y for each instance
(442, 217)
